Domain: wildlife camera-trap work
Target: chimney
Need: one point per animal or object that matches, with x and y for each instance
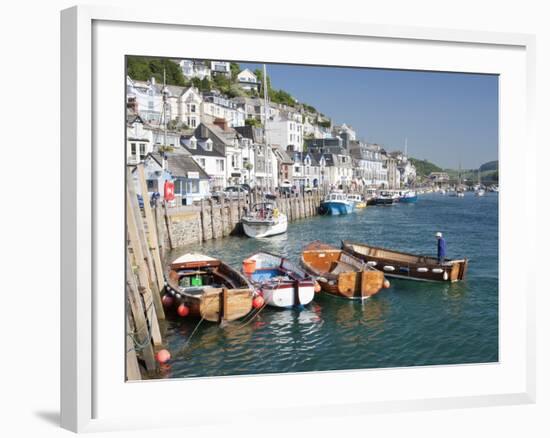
(221, 123)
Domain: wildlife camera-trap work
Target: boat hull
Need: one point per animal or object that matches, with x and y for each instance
(408, 199)
(339, 273)
(223, 294)
(408, 266)
(282, 283)
(336, 208)
(289, 295)
(384, 201)
(259, 229)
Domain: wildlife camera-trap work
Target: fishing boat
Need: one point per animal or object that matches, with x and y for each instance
(408, 196)
(358, 201)
(386, 198)
(209, 288)
(264, 220)
(340, 273)
(336, 203)
(404, 265)
(281, 282)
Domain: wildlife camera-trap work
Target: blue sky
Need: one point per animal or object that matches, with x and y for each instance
(447, 117)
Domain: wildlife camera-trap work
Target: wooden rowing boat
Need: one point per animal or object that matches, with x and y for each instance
(210, 288)
(410, 266)
(340, 273)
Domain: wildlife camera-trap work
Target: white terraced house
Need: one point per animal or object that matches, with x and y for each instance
(194, 68)
(286, 130)
(248, 80)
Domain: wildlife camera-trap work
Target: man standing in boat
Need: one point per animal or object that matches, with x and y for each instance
(441, 247)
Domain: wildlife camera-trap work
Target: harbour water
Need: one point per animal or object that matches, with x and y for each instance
(410, 324)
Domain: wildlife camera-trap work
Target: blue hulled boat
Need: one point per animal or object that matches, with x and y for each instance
(409, 196)
(336, 203)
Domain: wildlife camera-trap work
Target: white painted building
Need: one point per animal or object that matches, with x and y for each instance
(194, 68)
(248, 80)
(369, 166)
(220, 67)
(144, 98)
(286, 130)
(218, 106)
(210, 159)
(139, 140)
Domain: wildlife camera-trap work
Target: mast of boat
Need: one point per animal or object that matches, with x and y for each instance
(268, 152)
(164, 93)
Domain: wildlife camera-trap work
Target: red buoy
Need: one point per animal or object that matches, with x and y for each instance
(386, 284)
(163, 356)
(258, 302)
(167, 301)
(183, 310)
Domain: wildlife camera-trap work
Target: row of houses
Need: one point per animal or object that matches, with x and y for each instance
(205, 142)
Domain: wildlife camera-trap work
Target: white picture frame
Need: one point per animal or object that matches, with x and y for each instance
(88, 395)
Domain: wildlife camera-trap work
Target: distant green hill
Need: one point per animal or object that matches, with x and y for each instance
(491, 165)
(424, 167)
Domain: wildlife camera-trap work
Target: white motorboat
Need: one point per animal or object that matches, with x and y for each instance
(264, 220)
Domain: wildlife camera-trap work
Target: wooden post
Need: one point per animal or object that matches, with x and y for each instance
(212, 224)
(141, 242)
(168, 227)
(203, 221)
(139, 316)
(223, 221)
(239, 207)
(159, 224)
(152, 303)
(132, 366)
(152, 231)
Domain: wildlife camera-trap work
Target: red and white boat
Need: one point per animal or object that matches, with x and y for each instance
(281, 282)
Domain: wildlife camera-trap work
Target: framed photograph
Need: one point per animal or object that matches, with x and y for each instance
(326, 210)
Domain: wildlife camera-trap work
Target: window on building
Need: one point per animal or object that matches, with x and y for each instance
(192, 186)
(202, 162)
(142, 151)
(208, 145)
(193, 143)
(193, 108)
(133, 150)
(193, 122)
(220, 166)
(297, 169)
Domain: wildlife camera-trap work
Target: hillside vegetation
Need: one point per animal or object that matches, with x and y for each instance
(424, 167)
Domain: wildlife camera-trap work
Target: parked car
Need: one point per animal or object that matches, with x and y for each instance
(231, 192)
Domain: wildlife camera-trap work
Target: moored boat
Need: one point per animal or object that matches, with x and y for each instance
(410, 266)
(386, 198)
(341, 274)
(408, 196)
(264, 220)
(336, 203)
(209, 288)
(281, 282)
(358, 201)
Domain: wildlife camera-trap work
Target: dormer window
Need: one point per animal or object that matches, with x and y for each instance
(208, 145)
(192, 143)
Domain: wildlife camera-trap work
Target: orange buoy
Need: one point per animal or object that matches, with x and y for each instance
(258, 302)
(167, 301)
(249, 266)
(183, 310)
(317, 287)
(163, 356)
(386, 284)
